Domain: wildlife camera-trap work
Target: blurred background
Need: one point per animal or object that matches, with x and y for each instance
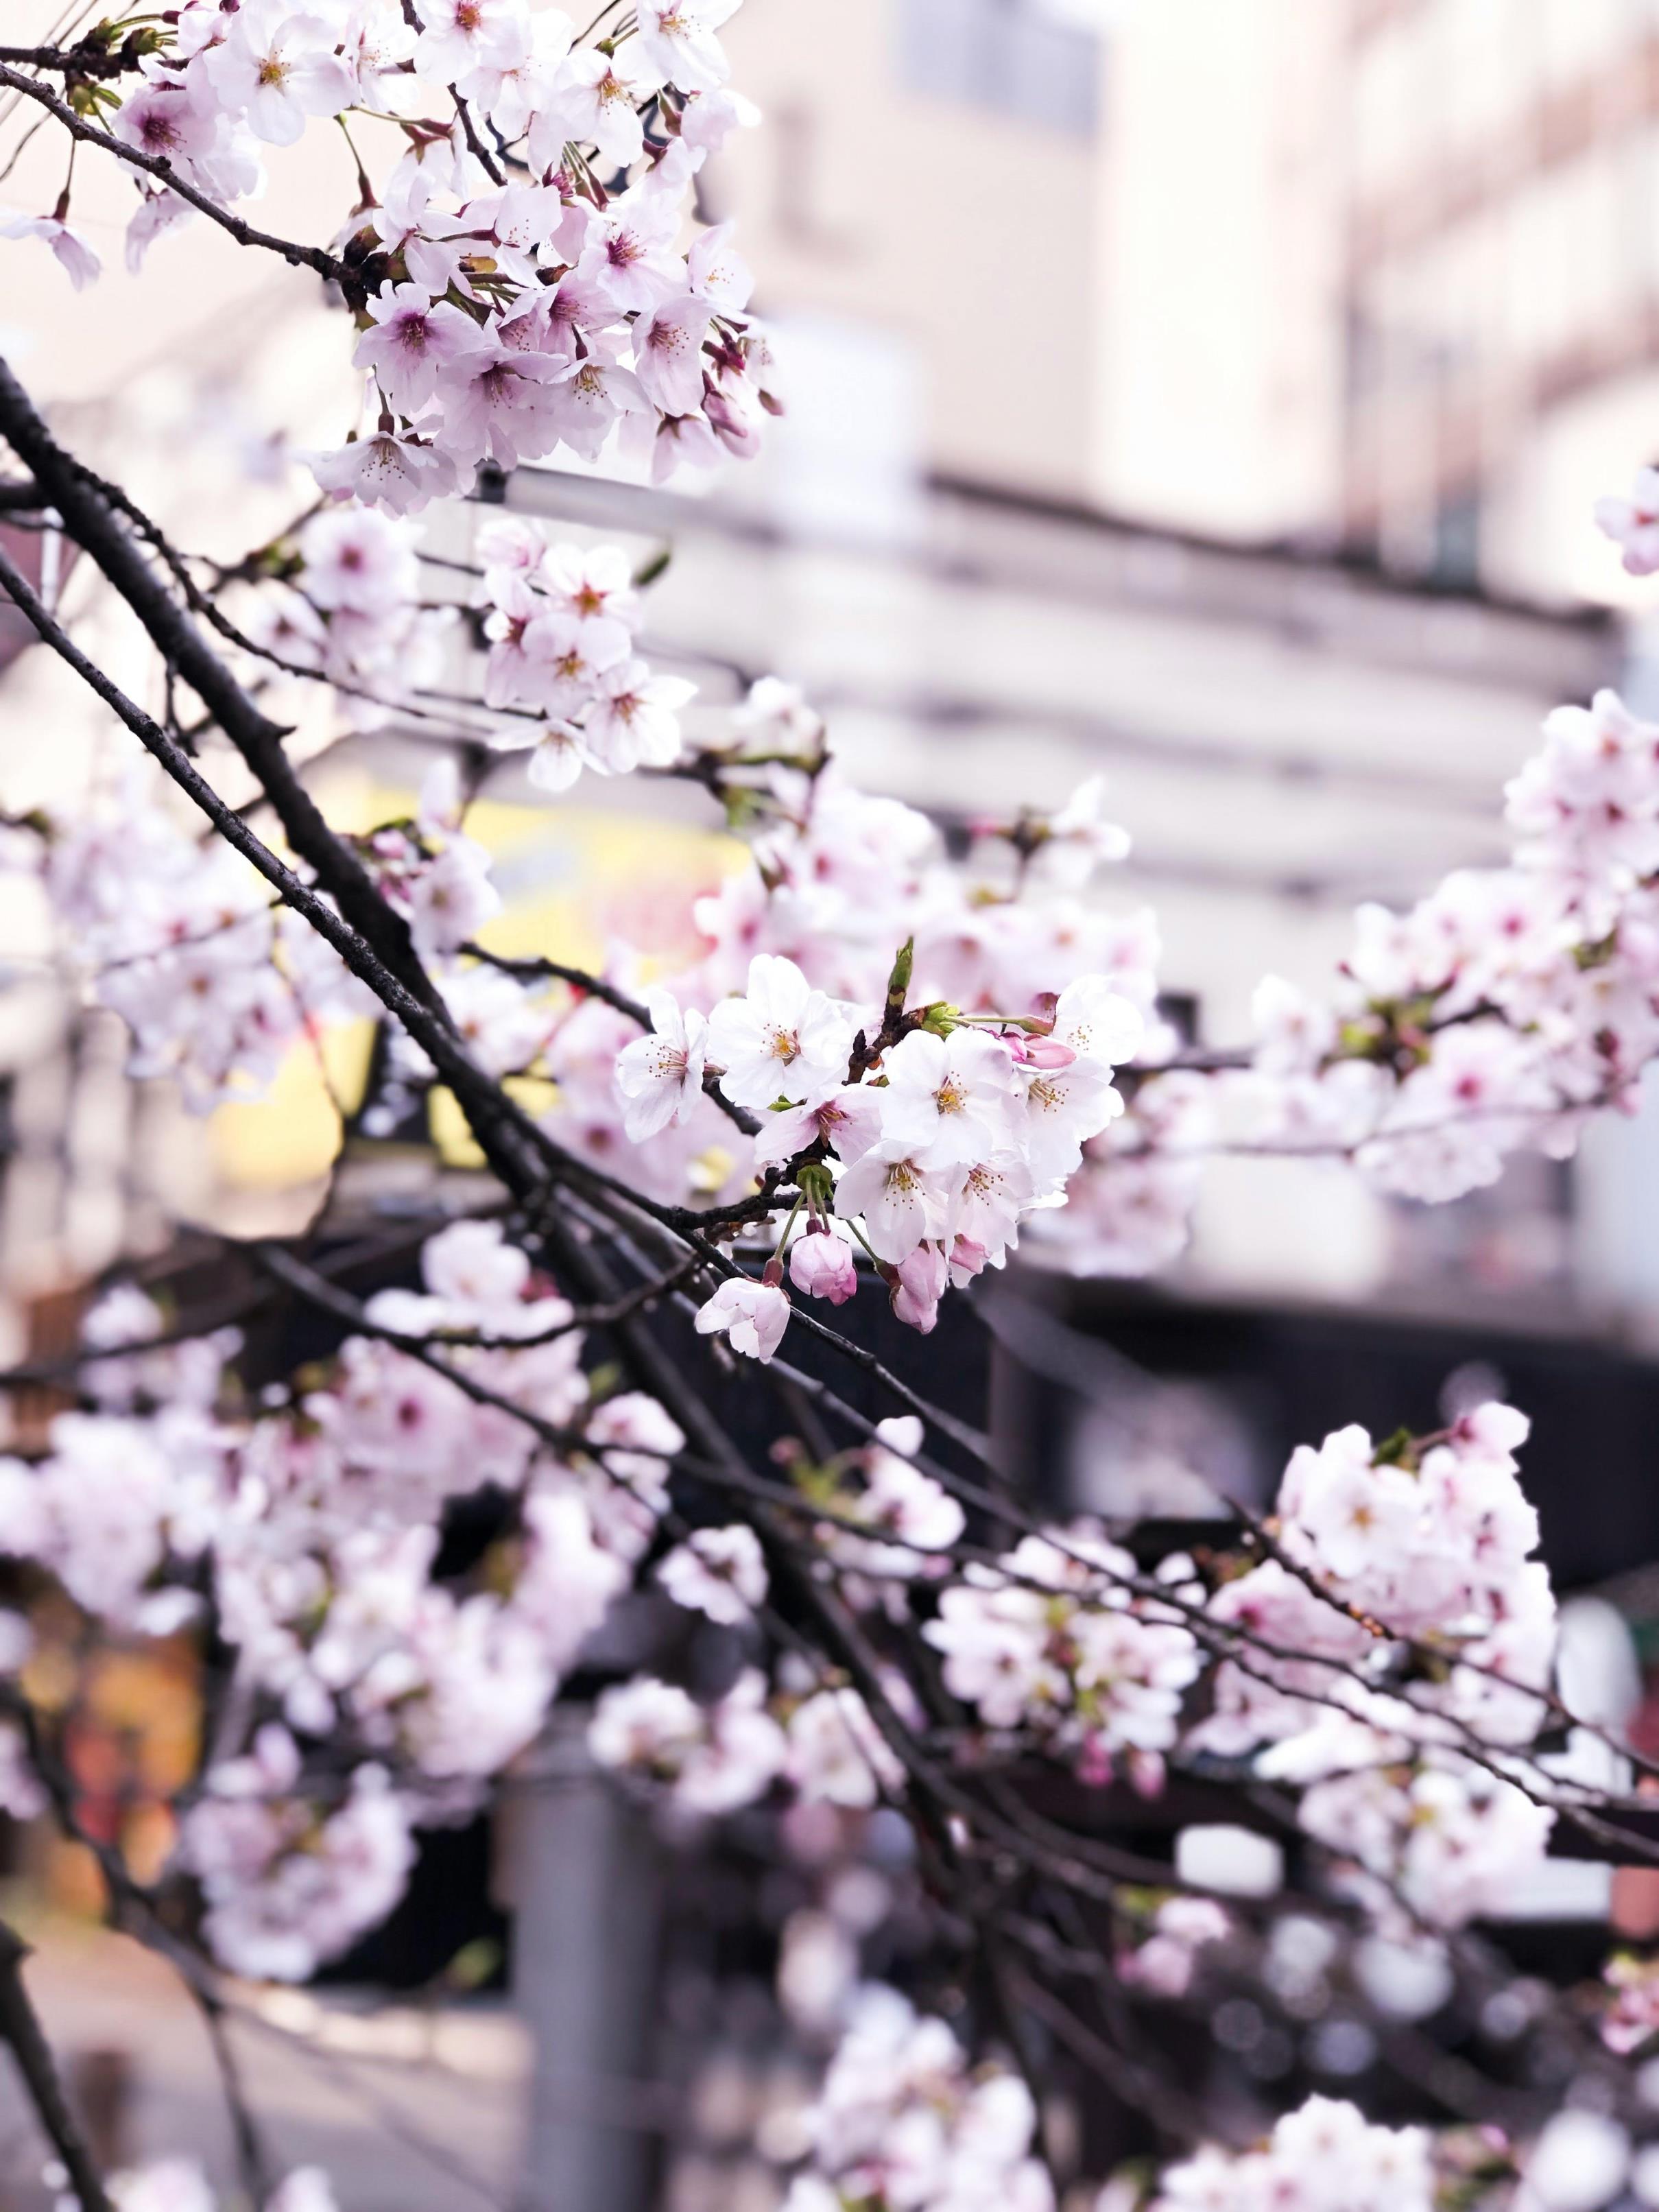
(1211, 394)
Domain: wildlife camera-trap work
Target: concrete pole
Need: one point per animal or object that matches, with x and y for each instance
(585, 1880)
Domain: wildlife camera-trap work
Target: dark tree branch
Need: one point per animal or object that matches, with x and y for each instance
(84, 60)
(20, 2027)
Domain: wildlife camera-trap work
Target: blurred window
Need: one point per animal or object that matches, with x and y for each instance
(1037, 59)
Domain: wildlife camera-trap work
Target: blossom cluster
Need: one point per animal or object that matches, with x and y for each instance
(905, 2124)
(912, 1520)
(317, 1528)
(1053, 1640)
(1412, 1550)
(959, 1123)
(1503, 1008)
(715, 1758)
(181, 939)
(509, 302)
(1325, 2157)
(1429, 1541)
(217, 986)
(1390, 1662)
(562, 626)
(345, 608)
(901, 2121)
(930, 1147)
(1496, 1015)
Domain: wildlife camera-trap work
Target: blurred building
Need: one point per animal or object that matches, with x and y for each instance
(1500, 279)
(1378, 275)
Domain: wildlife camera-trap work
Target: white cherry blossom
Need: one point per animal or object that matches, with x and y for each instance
(752, 1316)
(718, 1571)
(781, 1039)
(661, 1075)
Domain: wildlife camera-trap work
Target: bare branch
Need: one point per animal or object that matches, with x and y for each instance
(83, 60)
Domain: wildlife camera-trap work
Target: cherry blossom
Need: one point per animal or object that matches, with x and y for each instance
(1181, 1927)
(592, 100)
(1325, 2155)
(898, 1199)
(661, 1076)
(277, 65)
(402, 475)
(677, 37)
(1111, 1683)
(904, 2120)
(945, 1098)
(75, 256)
(716, 1758)
(822, 1266)
(752, 1316)
(1633, 522)
(634, 720)
(781, 1039)
(718, 1571)
(413, 338)
(459, 36)
(838, 1753)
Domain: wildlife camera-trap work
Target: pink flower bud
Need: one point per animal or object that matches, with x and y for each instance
(822, 1266)
(919, 1286)
(1044, 1052)
(966, 1258)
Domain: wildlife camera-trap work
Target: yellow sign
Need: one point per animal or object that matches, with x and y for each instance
(571, 878)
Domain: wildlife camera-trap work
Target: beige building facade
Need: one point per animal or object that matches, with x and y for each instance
(1376, 275)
